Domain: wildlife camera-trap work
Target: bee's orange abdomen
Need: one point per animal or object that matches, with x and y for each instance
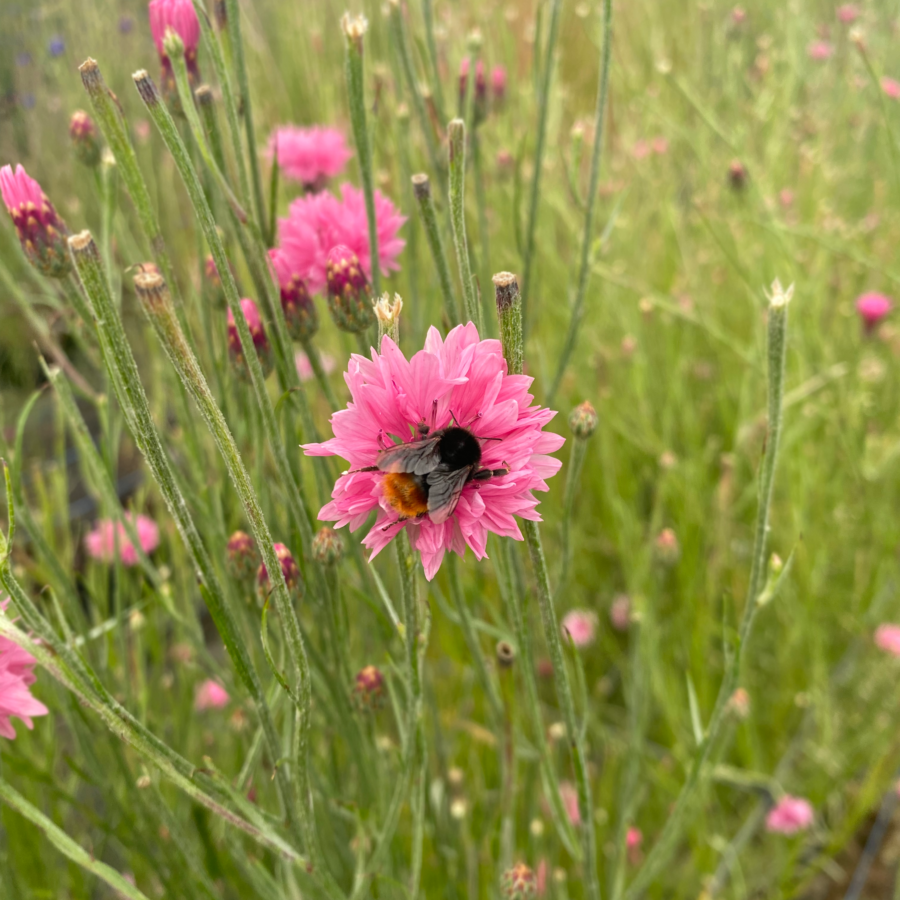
(406, 494)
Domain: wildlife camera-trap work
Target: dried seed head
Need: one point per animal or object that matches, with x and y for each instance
(780, 297)
(506, 289)
(506, 654)
(421, 186)
(354, 28)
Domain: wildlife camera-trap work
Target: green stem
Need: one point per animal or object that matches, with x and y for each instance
(65, 844)
(543, 109)
(398, 30)
(573, 480)
(118, 355)
(593, 186)
(172, 139)
(481, 205)
(354, 30)
(436, 89)
(157, 304)
(457, 135)
(665, 844)
(422, 190)
(233, 12)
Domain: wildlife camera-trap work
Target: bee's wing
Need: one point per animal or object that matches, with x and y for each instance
(414, 458)
(444, 487)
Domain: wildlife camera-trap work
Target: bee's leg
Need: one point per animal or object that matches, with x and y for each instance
(487, 474)
(366, 469)
(398, 521)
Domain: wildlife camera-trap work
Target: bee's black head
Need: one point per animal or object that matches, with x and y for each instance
(459, 448)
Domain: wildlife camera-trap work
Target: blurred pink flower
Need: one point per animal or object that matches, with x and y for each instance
(305, 369)
(257, 332)
(569, 795)
(16, 676)
(210, 695)
(620, 612)
(887, 638)
(819, 50)
(848, 13)
(872, 308)
(179, 15)
(309, 155)
(317, 222)
(641, 149)
(786, 197)
(498, 82)
(581, 625)
(540, 877)
(393, 395)
(790, 815)
(738, 15)
(660, 146)
(101, 542)
(633, 840)
(891, 88)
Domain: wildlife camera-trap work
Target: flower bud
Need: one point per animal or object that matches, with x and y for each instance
(260, 341)
(300, 313)
(583, 421)
(42, 233)
(84, 138)
(349, 294)
(242, 557)
(498, 84)
(739, 703)
(737, 175)
(368, 688)
(506, 654)
(667, 547)
(289, 569)
(328, 547)
(518, 883)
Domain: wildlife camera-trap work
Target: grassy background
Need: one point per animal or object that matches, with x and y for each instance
(670, 352)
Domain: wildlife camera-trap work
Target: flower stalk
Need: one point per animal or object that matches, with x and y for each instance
(776, 345)
(354, 28)
(457, 135)
(590, 203)
(422, 191)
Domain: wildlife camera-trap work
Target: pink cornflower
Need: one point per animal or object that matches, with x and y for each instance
(179, 15)
(318, 222)
(480, 79)
(790, 815)
(581, 626)
(620, 612)
(305, 369)
(569, 795)
(848, 13)
(210, 695)
(887, 638)
(392, 397)
(819, 50)
(42, 233)
(891, 87)
(498, 82)
(101, 543)
(633, 840)
(16, 677)
(872, 308)
(310, 155)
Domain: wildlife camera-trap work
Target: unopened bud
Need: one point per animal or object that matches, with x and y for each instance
(42, 233)
(368, 688)
(289, 569)
(506, 654)
(257, 333)
(583, 421)
(241, 556)
(84, 138)
(328, 547)
(667, 547)
(518, 883)
(776, 564)
(387, 312)
(349, 294)
(300, 313)
(737, 174)
(739, 703)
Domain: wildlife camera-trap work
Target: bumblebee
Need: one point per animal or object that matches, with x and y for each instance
(426, 477)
